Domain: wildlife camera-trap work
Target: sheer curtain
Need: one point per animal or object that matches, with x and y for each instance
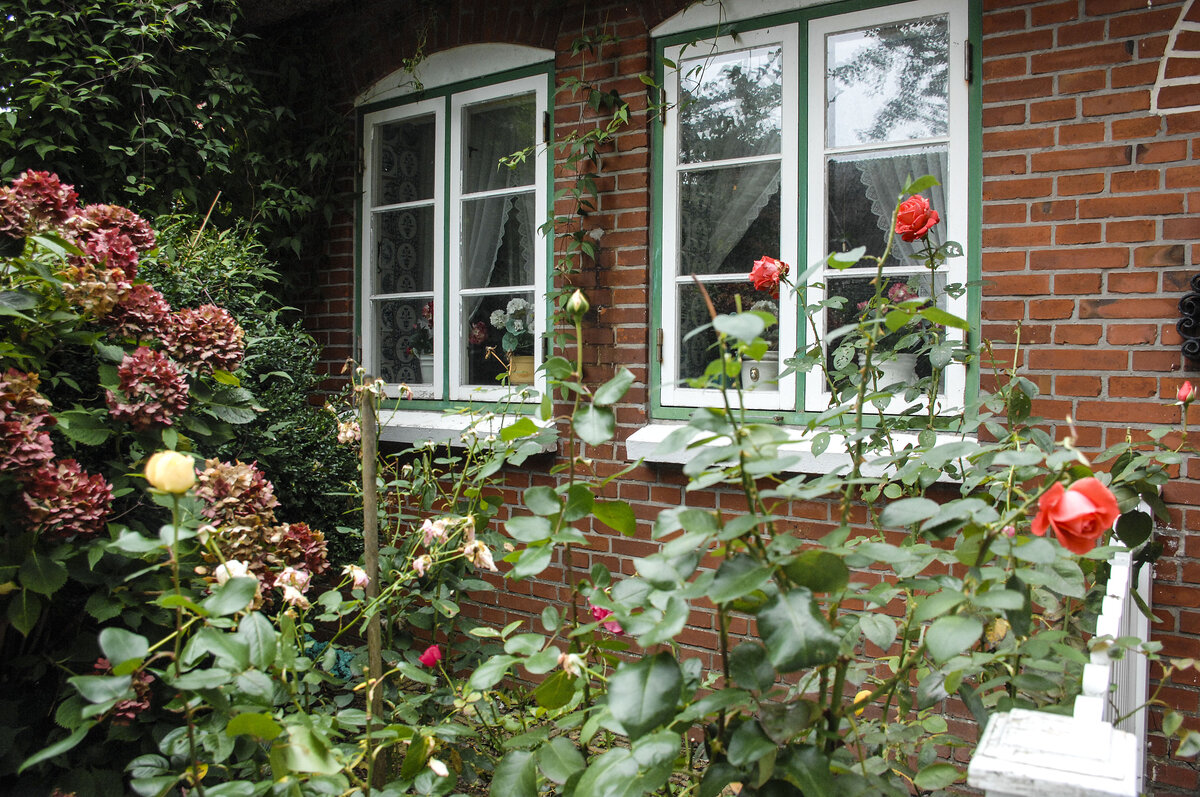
(885, 176)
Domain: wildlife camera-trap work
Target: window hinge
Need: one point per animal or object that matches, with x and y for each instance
(545, 127)
(658, 342)
(545, 348)
(969, 65)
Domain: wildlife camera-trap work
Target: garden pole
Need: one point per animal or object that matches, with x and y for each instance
(370, 459)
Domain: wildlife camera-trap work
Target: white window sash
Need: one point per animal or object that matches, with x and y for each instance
(535, 85)
(954, 216)
(673, 392)
(370, 325)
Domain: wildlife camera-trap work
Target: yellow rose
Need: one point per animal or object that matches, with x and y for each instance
(861, 698)
(171, 472)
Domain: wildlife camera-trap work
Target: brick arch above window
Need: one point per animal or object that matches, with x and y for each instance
(1177, 89)
(458, 64)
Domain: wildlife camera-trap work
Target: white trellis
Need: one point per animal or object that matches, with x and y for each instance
(1031, 753)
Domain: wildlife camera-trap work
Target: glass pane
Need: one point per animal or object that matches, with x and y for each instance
(495, 130)
(404, 250)
(696, 352)
(888, 83)
(498, 241)
(862, 198)
(731, 105)
(858, 292)
(404, 340)
(405, 161)
(487, 321)
(728, 218)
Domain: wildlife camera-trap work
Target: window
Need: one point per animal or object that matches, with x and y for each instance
(793, 139)
(453, 267)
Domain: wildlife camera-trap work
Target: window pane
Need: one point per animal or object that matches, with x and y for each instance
(862, 198)
(405, 162)
(404, 346)
(696, 352)
(495, 130)
(731, 105)
(498, 241)
(404, 250)
(728, 218)
(486, 321)
(888, 83)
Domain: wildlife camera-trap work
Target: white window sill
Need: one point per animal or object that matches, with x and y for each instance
(643, 444)
(420, 426)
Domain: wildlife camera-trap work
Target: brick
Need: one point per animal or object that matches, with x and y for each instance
(1125, 182)
(1074, 385)
(1182, 176)
(1052, 110)
(1108, 104)
(1017, 285)
(993, 310)
(1088, 258)
(1024, 42)
(1144, 205)
(1050, 14)
(1017, 189)
(1092, 133)
(1125, 77)
(1090, 158)
(1078, 334)
(1155, 256)
(1004, 165)
(1132, 334)
(1129, 231)
(1023, 89)
(1008, 140)
(1064, 58)
(1003, 261)
(1182, 229)
(1079, 184)
(1003, 116)
(1004, 22)
(1077, 82)
(1052, 211)
(1144, 282)
(1132, 386)
(1086, 32)
(1017, 236)
(1161, 152)
(1143, 127)
(1126, 308)
(1048, 309)
(1078, 233)
(1014, 213)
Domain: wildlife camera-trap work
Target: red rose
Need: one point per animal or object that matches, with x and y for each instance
(915, 218)
(767, 273)
(1079, 515)
(1186, 393)
(431, 656)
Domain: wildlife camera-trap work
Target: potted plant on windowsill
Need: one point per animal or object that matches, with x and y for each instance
(766, 275)
(896, 351)
(422, 342)
(517, 321)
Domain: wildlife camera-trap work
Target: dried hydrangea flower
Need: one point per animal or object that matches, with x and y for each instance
(19, 393)
(35, 201)
(24, 446)
(98, 218)
(303, 546)
(126, 711)
(205, 339)
(94, 289)
(236, 494)
(62, 501)
(154, 391)
(140, 314)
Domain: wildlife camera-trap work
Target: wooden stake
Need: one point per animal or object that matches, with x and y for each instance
(370, 460)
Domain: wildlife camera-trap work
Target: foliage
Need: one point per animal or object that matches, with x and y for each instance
(159, 103)
(290, 439)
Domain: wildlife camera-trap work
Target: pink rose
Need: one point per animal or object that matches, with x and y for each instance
(767, 273)
(915, 218)
(600, 615)
(431, 656)
(1079, 515)
(1186, 393)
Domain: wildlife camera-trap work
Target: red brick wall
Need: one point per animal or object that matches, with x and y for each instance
(1091, 212)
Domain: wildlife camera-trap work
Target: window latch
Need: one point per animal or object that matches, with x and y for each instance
(545, 127)
(969, 63)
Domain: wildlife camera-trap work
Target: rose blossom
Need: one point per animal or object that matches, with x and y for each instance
(358, 577)
(915, 218)
(478, 554)
(295, 597)
(767, 273)
(600, 615)
(438, 768)
(1185, 393)
(291, 577)
(431, 656)
(1079, 515)
(231, 569)
(433, 530)
(422, 564)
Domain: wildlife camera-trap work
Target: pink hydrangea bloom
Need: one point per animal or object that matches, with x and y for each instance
(62, 501)
(34, 202)
(154, 391)
(141, 314)
(24, 446)
(205, 339)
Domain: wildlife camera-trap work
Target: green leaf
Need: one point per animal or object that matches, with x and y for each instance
(120, 646)
(844, 260)
(743, 326)
(614, 389)
(879, 629)
(559, 759)
(642, 695)
(556, 691)
(261, 726)
(749, 743)
(258, 635)
(1188, 747)
(231, 597)
(617, 515)
(937, 315)
(579, 502)
(532, 561)
(226, 378)
(308, 752)
(515, 775)
(58, 748)
(490, 673)
(24, 608)
(1134, 528)
(232, 405)
(101, 688)
(542, 500)
(613, 774)
(949, 636)
(820, 571)
(522, 427)
(529, 528)
(42, 574)
(595, 425)
(937, 776)
(749, 668)
(86, 428)
(737, 577)
(795, 632)
(908, 511)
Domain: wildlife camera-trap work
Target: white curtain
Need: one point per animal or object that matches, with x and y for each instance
(885, 176)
